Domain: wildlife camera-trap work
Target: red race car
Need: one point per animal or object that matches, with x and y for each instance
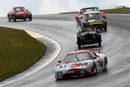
(19, 13)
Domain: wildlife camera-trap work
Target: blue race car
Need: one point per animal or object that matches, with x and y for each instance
(81, 63)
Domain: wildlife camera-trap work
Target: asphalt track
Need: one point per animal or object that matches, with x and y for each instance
(62, 28)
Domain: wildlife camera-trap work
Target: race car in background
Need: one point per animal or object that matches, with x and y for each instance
(81, 12)
(79, 15)
(89, 36)
(19, 13)
(93, 18)
(103, 15)
(81, 63)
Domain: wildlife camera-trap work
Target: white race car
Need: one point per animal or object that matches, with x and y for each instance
(81, 63)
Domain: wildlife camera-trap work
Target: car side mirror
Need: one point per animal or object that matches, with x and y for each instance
(59, 61)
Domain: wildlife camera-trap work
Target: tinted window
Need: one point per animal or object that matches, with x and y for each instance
(93, 15)
(19, 9)
(83, 56)
(88, 9)
(71, 58)
(76, 57)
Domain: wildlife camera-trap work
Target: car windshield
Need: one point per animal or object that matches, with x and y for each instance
(92, 15)
(83, 56)
(71, 58)
(89, 9)
(19, 9)
(76, 57)
(92, 9)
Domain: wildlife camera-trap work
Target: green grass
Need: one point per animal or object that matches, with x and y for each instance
(69, 13)
(117, 11)
(108, 11)
(18, 51)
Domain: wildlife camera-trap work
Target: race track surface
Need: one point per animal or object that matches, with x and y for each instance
(63, 29)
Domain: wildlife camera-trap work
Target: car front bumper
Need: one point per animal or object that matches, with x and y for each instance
(77, 73)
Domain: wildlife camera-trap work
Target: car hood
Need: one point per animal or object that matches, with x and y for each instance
(71, 65)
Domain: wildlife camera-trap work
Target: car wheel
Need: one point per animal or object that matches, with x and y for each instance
(105, 61)
(30, 19)
(99, 44)
(14, 18)
(85, 25)
(82, 25)
(79, 46)
(105, 28)
(57, 79)
(24, 19)
(94, 68)
(79, 43)
(9, 19)
(105, 64)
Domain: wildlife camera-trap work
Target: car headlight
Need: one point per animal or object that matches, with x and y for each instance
(59, 74)
(71, 71)
(82, 71)
(17, 14)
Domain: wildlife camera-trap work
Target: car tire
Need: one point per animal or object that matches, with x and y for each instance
(105, 64)
(24, 19)
(79, 46)
(99, 40)
(14, 19)
(105, 27)
(79, 43)
(95, 68)
(30, 18)
(57, 79)
(82, 25)
(9, 19)
(99, 44)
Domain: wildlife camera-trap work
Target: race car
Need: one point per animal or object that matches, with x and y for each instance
(19, 13)
(79, 15)
(93, 18)
(89, 36)
(81, 63)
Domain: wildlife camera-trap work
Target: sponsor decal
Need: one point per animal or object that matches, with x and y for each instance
(96, 23)
(80, 64)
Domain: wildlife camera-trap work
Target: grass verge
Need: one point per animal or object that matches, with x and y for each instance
(18, 51)
(108, 11)
(117, 11)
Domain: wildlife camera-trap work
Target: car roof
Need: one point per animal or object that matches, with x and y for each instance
(78, 52)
